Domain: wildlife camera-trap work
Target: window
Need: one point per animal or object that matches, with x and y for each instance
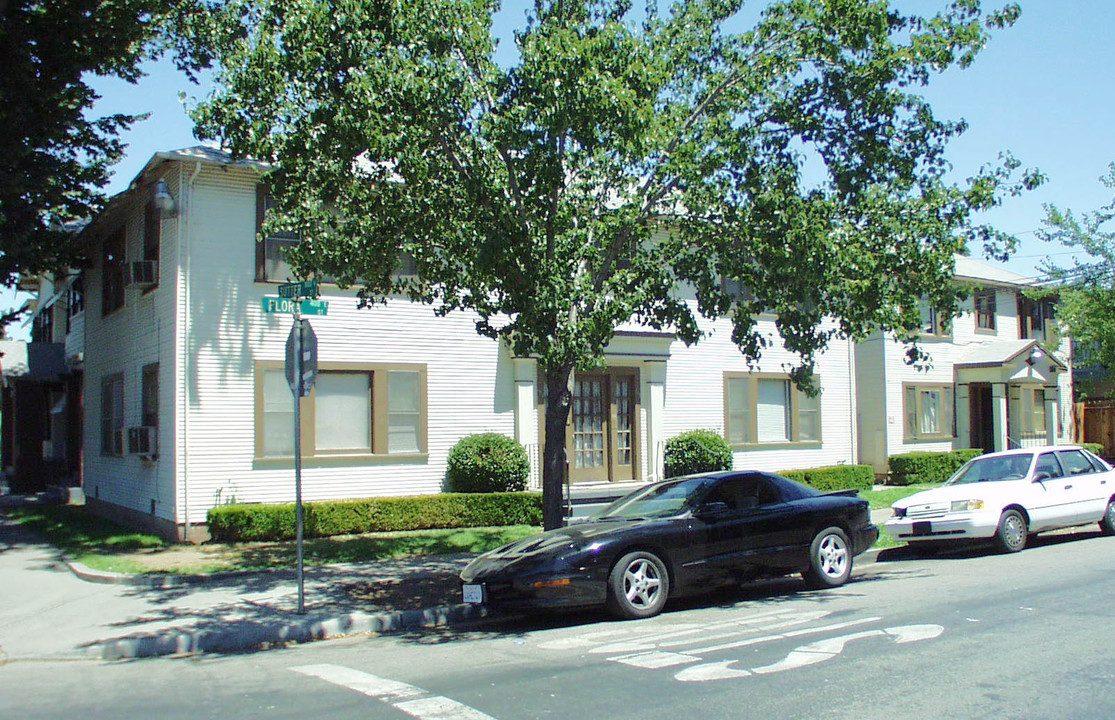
(149, 401)
(928, 410)
(932, 322)
(75, 301)
(984, 302)
(112, 415)
(112, 273)
(1027, 410)
(743, 492)
(769, 409)
(1075, 462)
(1034, 318)
(152, 234)
(42, 329)
(271, 264)
(351, 410)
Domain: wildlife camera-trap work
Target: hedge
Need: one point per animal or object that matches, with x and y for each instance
(239, 523)
(487, 463)
(1094, 448)
(928, 467)
(834, 477)
(696, 451)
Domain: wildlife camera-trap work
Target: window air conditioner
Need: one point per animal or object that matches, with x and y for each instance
(143, 441)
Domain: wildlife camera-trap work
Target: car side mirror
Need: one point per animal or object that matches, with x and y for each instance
(712, 510)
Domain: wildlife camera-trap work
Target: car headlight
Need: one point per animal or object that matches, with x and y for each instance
(965, 505)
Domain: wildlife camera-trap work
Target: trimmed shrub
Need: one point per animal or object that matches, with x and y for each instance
(1094, 448)
(240, 523)
(928, 467)
(834, 477)
(487, 463)
(697, 451)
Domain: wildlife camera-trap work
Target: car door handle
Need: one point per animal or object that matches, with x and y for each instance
(1068, 487)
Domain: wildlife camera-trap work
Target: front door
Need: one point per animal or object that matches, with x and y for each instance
(982, 422)
(603, 426)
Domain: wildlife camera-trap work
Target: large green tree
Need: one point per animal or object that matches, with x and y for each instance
(55, 158)
(625, 154)
(1086, 288)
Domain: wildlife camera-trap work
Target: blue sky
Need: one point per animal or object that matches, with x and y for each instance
(1042, 89)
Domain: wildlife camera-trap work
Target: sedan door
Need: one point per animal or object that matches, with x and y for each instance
(1054, 499)
(1093, 489)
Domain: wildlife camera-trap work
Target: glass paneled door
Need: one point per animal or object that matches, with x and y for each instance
(603, 426)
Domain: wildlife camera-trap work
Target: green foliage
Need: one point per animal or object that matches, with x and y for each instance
(834, 477)
(1086, 289)
(238, 523)
(697, 451)
(74, 530)
(487, 463)
(54, 156)
(623, 154)
(928, 467)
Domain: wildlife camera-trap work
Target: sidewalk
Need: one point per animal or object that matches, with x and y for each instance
(53, 609)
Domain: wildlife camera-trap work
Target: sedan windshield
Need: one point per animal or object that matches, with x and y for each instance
(657, 501)
(991, 469)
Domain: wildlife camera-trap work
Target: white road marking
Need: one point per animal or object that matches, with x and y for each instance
(806, 654)
(407, 698)
(711, 632)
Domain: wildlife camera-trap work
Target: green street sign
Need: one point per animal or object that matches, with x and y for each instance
(286, 306)
(305, 288)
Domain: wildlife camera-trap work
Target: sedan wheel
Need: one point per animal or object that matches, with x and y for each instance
(1107, 525)
(1011, 535)
(830, 559)
(638, 585)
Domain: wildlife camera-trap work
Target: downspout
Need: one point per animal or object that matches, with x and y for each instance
(853, 408)
(186, 197)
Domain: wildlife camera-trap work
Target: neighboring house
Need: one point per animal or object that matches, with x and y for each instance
(187, 406)
(999, 378)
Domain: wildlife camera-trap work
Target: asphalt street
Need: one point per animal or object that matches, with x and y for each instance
(963, 635)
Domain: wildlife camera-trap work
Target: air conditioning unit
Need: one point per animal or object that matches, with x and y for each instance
(143, 273)
(143, 441)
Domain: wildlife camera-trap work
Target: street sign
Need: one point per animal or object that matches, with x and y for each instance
(305, 288)
(308, 364)
(287, 305)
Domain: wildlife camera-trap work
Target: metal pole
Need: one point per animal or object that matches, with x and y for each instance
(298, 451)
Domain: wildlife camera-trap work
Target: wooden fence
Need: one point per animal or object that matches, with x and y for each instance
(1095, 423)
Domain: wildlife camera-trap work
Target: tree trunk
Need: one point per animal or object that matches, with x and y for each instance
(559, 396)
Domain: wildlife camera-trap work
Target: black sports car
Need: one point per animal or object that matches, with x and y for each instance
(682, 535)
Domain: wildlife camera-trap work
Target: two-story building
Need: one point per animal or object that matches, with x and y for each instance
(187, 405)
(998, 377)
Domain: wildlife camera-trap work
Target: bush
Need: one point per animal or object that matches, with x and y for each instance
(240, 523)
(834, 477)
(1094, 448)
(487, 463)
(697, 451)
(928, 467)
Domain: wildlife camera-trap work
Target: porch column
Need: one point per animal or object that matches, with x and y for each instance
(999, 415)
(655, 405)
(1051, 409)
(526, 414)
(963, 417)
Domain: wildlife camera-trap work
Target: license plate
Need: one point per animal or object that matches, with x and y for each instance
(923, 528)
(473, 594)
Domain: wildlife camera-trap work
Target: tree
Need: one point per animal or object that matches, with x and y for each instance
(54, 159)
(1086, 289)
(626, 154)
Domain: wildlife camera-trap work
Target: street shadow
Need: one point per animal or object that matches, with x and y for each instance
(970, 549)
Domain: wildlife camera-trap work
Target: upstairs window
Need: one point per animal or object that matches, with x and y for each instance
(271, 263)
(1034, 318)
(932, 321)
(152, 236)
(112, 272)
(75, 300)
(984, 302)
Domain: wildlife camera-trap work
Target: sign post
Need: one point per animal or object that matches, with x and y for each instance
(301, 371)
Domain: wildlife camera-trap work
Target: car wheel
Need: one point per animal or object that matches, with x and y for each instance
(830, 559)
(1011, 535)
(638, 585)
(1107, 524)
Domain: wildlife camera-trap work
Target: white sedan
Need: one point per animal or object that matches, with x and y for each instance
(1010, 496)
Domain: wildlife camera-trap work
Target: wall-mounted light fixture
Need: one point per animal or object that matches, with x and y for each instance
(1036, 356)
(164, 201)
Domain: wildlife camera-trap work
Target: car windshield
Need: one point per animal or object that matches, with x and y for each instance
(992, 468)
(657, 501)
